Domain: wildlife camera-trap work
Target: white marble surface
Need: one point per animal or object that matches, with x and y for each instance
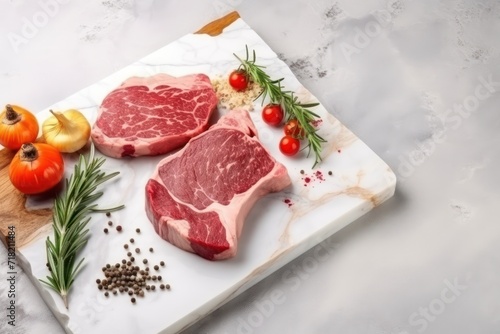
(417, 81)
(274, 233)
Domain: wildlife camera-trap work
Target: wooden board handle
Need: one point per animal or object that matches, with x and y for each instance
(216, 27)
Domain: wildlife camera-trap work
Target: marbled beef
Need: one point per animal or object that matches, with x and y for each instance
(153, 115)
(198, 198)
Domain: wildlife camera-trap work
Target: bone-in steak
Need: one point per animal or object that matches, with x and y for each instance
(198, 198)
(153, 115)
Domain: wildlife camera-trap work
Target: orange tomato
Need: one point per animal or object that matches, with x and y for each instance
(17, 126)
(293, 128)
(36, 167)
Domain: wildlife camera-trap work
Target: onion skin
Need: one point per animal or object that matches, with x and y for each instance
(36, 168)
(17, 126)
(68, 131)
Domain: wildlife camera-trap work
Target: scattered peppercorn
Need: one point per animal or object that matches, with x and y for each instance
(162, 263)
(108, 214)
(330, 173)
(138, 230)
(125, 246)
(110, 223)
(129, 254)
(132, 300)
(126, 277)
(105, 230)
(119, 228)
(301, 171)
(167, 286)
(151, 249)
(132, 240)
(137, 250)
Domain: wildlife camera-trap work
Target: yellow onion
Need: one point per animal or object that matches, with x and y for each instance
(68, 131)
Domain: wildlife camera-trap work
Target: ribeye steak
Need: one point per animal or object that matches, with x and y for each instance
(199, 197)
(153, 115)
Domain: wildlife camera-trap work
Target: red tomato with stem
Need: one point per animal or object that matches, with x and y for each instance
(273, 114)
(289, 145)
(36, 167)
(238, 79)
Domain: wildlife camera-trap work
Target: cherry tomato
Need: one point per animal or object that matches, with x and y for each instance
(36, 167)
(289, 145)
(238, 79)
(293, 128)
(273, 114)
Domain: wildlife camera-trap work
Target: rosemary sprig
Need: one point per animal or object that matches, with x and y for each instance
(292, 108)
(70, 220)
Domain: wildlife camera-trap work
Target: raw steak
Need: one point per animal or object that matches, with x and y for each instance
(153, 115)
(198, 198)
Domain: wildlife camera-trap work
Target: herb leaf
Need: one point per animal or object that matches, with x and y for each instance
(70, 221)
(293, 109)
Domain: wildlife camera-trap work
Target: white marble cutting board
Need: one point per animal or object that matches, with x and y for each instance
(275, 232)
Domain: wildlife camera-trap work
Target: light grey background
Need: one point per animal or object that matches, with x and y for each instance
(417, 81)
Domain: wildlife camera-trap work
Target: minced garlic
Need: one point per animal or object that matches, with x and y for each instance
(231, 99)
